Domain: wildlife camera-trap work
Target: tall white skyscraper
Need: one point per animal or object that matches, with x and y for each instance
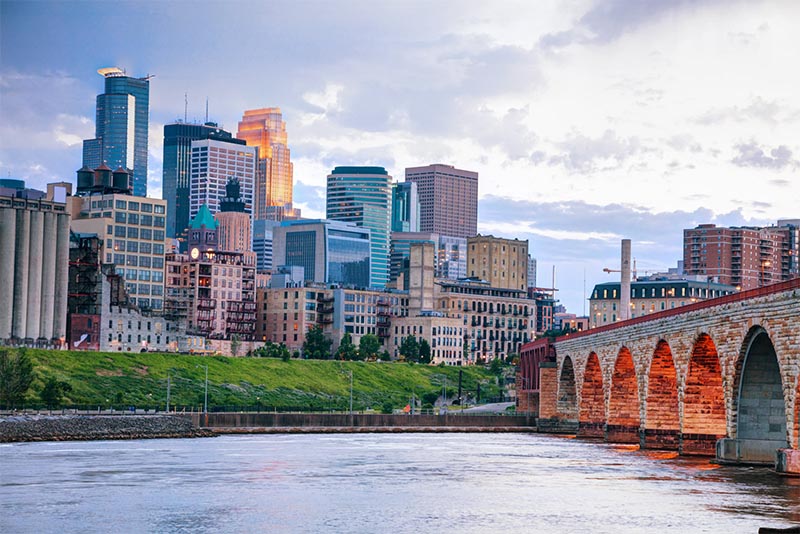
(213, 162)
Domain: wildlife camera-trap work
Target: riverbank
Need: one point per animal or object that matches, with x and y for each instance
(20, 428)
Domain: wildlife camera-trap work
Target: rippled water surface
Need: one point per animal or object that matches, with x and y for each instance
(380, 483)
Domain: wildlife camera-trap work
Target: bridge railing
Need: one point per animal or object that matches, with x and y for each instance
(710, 303)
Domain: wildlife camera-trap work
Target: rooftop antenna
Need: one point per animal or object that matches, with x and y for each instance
(185, 106)
(206, 109)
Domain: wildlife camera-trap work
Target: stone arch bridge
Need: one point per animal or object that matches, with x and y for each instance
(715, 377)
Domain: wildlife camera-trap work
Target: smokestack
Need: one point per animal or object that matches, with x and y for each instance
(625, 282)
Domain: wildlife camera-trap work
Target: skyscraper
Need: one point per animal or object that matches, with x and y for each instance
(405, 207)
(121, 127)
(177, 173)
(213, 162)
(362, 195)
(448, 199)
(265, 129)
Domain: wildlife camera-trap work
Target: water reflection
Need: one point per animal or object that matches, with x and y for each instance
(382, 483)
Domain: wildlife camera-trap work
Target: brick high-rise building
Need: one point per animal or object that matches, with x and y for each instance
(745, 257)
(501, 262)
(448, 199)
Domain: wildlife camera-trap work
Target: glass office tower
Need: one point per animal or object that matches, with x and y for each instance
(362, 195)
(177, 172)
(330, 252)
(122, 115)
(265, 128)
(405, 207)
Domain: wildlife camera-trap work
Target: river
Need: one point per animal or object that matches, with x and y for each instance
(369, 483)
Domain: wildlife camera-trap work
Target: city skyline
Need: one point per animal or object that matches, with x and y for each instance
(574, 115)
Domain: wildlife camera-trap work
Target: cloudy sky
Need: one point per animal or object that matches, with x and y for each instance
(589, 121)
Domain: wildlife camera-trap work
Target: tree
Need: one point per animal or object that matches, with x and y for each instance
(236, 343)
(496, 367)
(368, 347)
(347, 350)
(409, 349)
(16, 376)
(317, 346)
(52, 393)
(385, 356)
(424, 351)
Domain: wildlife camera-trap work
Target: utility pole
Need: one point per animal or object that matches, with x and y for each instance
(460, 374)
(168, 385)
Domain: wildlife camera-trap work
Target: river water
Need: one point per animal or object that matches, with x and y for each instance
(397, 483)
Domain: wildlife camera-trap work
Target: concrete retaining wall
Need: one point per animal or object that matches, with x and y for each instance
(272, 420)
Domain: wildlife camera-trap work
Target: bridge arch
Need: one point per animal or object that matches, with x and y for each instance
(759, 405)
(623, 405)
(592, 415)
(567, 400)
(662, 418)
(703, 399)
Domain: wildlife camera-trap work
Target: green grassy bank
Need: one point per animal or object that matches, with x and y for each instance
(140, 379)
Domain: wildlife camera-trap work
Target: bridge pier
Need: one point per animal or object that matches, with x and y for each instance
(660, 439)
(756, 451)
(591, 430)
(788, 462)
(699, 444)
(622, 434)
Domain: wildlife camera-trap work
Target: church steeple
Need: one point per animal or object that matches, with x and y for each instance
(203, 231)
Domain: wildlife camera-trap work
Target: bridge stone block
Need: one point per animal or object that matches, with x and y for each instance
(591, 430)
(659, 439)
(622, 434)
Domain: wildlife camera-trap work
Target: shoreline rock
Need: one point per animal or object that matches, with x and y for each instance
(29, 428)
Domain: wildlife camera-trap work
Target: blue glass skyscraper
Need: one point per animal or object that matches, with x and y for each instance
(121, 126)
(363, 195)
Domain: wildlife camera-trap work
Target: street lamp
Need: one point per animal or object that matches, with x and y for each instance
(205, 398)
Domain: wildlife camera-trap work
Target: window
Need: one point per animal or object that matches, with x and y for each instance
(120, 217)
(158, 209)
(133, 206)
(133, 218)
(121, 204)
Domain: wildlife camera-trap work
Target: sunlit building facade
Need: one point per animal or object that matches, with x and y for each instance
(265, 129)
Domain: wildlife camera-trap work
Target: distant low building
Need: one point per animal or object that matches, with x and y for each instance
(649, 297)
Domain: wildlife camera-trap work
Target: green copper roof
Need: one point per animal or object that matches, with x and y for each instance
(203, 218)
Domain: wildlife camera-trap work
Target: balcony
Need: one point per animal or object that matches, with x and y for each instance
(206, 304)
(322, 298)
